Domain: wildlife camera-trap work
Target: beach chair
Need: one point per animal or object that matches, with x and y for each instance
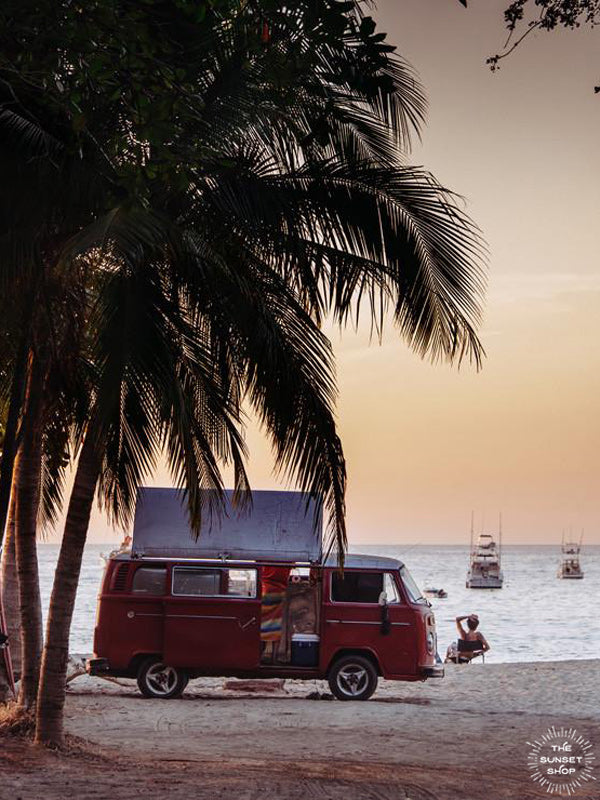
(472, 648)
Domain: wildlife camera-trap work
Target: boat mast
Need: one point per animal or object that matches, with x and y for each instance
(472, 534)
(500, 540)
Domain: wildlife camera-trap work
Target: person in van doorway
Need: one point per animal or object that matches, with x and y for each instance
(471, 634)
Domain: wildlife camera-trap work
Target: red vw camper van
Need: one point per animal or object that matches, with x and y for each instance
(168, 612)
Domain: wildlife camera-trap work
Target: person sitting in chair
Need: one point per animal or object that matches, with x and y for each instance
(472, 642)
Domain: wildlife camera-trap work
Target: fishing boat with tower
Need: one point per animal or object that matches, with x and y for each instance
(570, 566)
(485, 560)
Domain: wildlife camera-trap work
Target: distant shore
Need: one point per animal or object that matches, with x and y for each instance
(465, 735)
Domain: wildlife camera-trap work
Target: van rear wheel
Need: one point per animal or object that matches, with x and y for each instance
(353, 678)
(158, 680)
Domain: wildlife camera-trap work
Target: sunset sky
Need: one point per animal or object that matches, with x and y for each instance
(426, 445)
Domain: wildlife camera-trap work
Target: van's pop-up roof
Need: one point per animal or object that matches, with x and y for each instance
(279, 526)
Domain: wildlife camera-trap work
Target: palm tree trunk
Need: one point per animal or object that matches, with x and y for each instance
(26, 486)
(9, 598)
(9, 447)
(51, 700)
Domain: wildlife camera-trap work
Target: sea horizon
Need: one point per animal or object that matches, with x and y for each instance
(584, 546)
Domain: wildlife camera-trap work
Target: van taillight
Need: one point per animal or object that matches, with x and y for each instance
(120, 578)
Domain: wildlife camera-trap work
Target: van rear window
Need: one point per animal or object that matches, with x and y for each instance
(149, 580)
(356, 587)
(214, 582)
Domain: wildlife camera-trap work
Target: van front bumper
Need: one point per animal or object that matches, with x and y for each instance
(97, 666)
(435, 671)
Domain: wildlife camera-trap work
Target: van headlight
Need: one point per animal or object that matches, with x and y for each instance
(431, 642)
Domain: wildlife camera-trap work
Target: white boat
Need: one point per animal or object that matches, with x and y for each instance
(485, 562)
(570, 567)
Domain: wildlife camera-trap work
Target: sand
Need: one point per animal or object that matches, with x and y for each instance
(463, 736)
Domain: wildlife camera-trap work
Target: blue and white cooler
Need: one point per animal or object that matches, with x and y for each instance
(305, 650)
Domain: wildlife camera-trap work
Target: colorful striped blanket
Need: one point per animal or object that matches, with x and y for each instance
(271, 616)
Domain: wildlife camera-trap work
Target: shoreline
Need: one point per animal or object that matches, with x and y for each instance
(465, 735)
(476, 663)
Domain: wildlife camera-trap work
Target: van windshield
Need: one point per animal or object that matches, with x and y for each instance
(411, 587)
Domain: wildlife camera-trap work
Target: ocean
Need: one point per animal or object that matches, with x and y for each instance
(534, 617)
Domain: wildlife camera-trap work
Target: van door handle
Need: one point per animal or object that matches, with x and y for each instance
(251, 621)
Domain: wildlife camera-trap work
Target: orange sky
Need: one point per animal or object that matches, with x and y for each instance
(426, 445)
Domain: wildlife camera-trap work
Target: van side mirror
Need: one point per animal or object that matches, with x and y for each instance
(385, 614)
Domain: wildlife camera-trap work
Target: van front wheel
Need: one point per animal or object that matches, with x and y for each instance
(353, 678)
(157, 680)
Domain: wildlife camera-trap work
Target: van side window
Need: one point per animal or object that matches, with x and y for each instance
(356, 587)
(214, 582)
(390, 588)
(149, 580)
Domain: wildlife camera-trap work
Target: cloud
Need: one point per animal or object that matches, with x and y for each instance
(544, 287)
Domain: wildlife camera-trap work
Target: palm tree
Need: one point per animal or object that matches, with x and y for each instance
(278, 194)
(42, 440)
(253, 279)
(39, 305)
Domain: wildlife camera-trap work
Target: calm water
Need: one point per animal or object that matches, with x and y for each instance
(535, 617)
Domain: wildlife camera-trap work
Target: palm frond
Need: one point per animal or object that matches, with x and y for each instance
(288, 373)
(392, 235)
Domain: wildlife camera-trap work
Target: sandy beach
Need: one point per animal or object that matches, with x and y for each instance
(465, 735)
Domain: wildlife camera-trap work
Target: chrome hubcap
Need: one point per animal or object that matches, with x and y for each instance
(352, 680)
(161, 679)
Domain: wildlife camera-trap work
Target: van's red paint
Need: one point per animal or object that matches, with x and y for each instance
(221, 635)
(352, 626)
